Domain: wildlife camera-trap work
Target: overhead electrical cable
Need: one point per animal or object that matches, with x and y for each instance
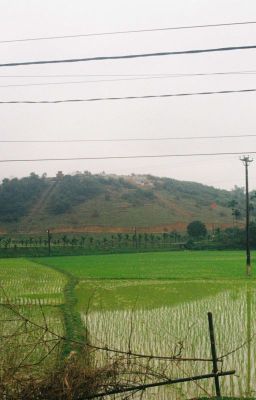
(130, 139)
(135, 78)
(130, 56)
(126, 157)
(149, 75)
(225, 24)
(96, 99)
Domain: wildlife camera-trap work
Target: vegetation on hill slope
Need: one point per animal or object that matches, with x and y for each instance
(84, 199)
(18, 195)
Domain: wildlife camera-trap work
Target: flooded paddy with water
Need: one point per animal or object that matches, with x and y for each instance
(160, 316)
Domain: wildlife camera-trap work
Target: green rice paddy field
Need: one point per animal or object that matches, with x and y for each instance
(169, 265)
(163, 296)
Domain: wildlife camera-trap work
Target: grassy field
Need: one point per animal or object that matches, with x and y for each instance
(63, 286)
(165, 265)
(146, 294)
(31, 301)
(25, 282)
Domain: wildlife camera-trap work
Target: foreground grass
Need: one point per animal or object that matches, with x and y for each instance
(182, 277)
(168, 265)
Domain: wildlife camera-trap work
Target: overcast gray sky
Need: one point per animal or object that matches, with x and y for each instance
(231, 114)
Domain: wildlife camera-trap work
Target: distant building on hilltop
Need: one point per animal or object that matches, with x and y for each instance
(59, 175)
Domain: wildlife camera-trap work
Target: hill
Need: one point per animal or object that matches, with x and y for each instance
(86, 202)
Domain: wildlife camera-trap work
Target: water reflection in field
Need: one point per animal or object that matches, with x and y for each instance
(129, 322)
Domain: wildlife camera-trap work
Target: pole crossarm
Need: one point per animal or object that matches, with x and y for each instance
(246, 160)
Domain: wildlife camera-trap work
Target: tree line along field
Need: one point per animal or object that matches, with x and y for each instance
(100, 243)
(54, 289)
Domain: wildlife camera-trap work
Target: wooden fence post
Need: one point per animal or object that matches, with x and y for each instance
(214, 355)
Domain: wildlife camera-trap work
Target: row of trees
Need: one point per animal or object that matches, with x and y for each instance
(232, 237)
(114, 240)
(196, 236)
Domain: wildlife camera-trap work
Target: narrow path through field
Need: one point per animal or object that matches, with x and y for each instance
(73, 325)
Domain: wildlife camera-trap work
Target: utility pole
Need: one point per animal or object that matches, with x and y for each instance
(135, 234)
(49, 241)
(246, 160)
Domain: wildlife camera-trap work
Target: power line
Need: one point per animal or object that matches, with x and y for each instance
(129, 31)
(127, 97)
(127, 157)
(130, 139)
(172, 75)
(135, 78)
(130, 56)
